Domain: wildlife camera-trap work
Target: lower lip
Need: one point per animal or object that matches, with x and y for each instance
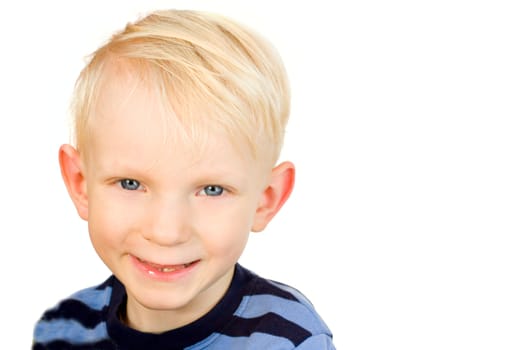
(155, 274)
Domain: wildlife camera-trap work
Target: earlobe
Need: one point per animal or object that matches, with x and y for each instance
(74, 179)
(275, 195)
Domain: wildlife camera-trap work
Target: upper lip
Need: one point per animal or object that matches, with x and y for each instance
(159, 264)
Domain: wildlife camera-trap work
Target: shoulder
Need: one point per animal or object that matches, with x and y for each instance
(80, 318)
(278, 312)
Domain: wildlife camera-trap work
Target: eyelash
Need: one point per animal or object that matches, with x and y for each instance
(136, 185)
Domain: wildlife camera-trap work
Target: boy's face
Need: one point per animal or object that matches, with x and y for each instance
(168, 222)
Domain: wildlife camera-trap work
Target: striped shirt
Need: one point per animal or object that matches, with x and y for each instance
(255, 313)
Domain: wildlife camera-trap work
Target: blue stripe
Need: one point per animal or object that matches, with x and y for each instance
(257, 341)
(94, 298)
(68, 330)
(258, 305)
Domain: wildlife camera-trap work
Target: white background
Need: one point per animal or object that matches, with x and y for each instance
(406, 227)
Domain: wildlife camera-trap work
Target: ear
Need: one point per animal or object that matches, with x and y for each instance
(274, 195)
(73, 175)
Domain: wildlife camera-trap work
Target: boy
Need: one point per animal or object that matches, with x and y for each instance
(179, 121)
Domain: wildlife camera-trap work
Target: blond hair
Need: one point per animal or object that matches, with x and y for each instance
(213, 72)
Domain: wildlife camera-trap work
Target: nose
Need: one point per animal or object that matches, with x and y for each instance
(169, 221)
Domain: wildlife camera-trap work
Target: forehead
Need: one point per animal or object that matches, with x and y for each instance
(133, 121)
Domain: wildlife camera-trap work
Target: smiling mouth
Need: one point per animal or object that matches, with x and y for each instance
(166, 268)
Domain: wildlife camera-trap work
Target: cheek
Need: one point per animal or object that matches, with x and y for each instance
(107, 222)
(103, 228)
(225, 229)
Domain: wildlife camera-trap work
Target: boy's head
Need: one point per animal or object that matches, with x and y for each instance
(214, 74)
(179, 121)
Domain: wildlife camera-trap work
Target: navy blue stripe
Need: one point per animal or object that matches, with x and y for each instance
(269, 323)
(63, 345)
(74, 309)
(263, 287)
(106, 283)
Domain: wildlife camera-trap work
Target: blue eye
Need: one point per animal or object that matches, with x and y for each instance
(129, 184)
(213, 190)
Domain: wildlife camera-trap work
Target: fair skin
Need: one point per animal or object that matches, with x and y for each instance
(169, 223)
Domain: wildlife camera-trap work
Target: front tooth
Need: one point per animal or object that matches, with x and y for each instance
(167, 269)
